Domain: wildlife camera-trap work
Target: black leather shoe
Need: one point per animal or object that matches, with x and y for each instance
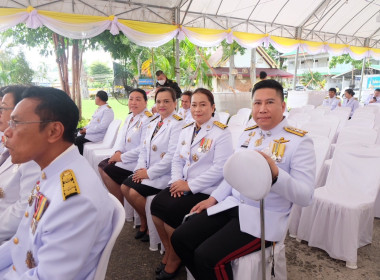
(140, 234)
(145, 238)
(160, 268)
(166, 276)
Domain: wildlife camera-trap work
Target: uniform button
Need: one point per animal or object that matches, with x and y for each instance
(26, 214)
(14, 268)
(188, 164)
(242, 201)
(15, 240)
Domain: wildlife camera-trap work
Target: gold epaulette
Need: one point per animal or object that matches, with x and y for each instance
(69, 184)
(337, 97)
(220, 125)
(355, 98)
(178, 118)
(109, 106)
(148, 114)
(154, 118)
(295, 131)
(251, 127)
(327, 97)
(188, 125)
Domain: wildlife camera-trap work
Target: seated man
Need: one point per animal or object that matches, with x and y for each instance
(16, 180)
(373, 98)
(97, 128)
(230, 226)
(184, 112)
(68, 220)
(332, 100)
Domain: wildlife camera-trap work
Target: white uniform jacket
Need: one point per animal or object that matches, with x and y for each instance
(70, 235)
(370, 98)
(16, 183)
(185, 114)
(352, 103)
(157, 153)
(2, 146)
(201, 163)
(295, 184)
(133, 135)
(331, 102)
(99, 123)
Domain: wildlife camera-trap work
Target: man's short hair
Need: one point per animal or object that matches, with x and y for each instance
(378, 89)
(263, 74)
(16, 91)
(269, 84)
(55, 105)
(332, 89)
(189, 93)
(159, 72)
(102, 95)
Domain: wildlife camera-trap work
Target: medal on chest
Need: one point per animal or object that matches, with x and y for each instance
(204, 145)
(246, 142)
(277, 148)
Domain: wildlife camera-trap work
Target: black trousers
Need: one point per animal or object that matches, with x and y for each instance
(79, 142)
(208, 244)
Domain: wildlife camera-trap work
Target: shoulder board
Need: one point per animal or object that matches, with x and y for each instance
(108, 106)
(251, 127)
(189, 124)
(355, 98)
(69, 184)
(178, 118)
(220, 125)
(337, 97)
(154, 118)
(327, 97)
(295, 131)
(148, 114)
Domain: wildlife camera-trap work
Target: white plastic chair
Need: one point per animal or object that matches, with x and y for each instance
(363, 114)
(315, 128)
(246, 112)
(236, 131)
(237, 119)
(361, 122)
(154, 238)
(223, 117)
(118, 221)
(108, 140)
(340, 219)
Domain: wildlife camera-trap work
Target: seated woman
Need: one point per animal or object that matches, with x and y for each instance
(197, 169)
(120, 165)
(152, 173)
(350, 101)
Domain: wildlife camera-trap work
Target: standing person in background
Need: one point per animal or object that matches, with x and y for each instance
(120, 165)
(152, 173)
(332, 100)
(197, 169)
(373, 98)
(97, 128)
(350, 101)
(184, 112)
(16, 180)
(163, 81)
(262, 76)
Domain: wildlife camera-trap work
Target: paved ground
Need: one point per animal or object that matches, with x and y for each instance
(132, 260)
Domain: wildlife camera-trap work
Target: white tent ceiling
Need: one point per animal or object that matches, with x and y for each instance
(353, 22)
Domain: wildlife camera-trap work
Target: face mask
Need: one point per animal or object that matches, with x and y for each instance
(161, 82)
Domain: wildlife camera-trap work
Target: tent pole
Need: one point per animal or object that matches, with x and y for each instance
(177, 72)
(361, 79)
(295, 69)
(253, 66)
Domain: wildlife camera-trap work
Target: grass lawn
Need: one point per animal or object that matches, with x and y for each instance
(121, 111)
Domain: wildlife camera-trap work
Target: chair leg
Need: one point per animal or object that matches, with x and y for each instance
(352, 265)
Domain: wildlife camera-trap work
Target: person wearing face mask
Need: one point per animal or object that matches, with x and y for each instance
(163, 81)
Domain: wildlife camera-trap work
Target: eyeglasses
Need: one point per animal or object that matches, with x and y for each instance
(2, 109)
(12, 124)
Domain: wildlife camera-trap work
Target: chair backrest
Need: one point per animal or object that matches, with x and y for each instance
(223, 117)
(321, 148)
(362, 114)
(355, 169)
(238, 120)
(308, 107)
(236, 131)
(298, 119)
(361, 122)
(316, 113)
(353, 134)
(109, 138)
(246, 112)
(316, 128)
(118, 221)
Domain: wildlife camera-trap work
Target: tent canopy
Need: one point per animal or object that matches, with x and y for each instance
(335, 26)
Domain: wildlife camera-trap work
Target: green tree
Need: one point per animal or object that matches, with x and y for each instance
(347, 59)
(99, 68)
(14, 69)
(313, 79)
